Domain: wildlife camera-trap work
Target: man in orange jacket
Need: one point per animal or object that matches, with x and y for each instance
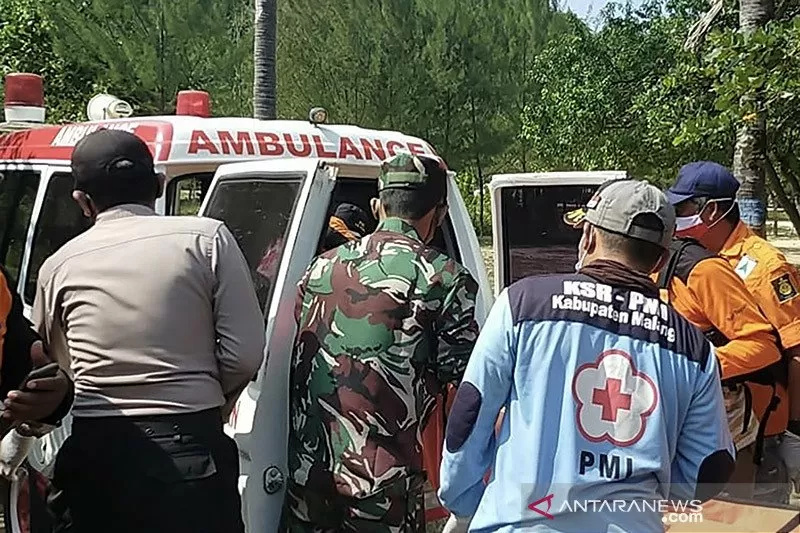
(704, 198)
(706, 291)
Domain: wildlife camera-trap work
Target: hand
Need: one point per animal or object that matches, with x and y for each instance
(457, 524)
(44, 395)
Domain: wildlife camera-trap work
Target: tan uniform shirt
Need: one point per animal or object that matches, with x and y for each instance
(155, 315)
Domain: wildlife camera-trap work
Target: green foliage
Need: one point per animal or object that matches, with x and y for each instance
(27, 45)
(618, 97)
(148, 50)
(454, 73)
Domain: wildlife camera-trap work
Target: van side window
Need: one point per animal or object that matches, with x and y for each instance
(17, 196)
(61, 220)
(185, 193)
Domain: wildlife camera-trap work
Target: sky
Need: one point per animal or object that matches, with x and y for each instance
(588, 8)
(583, 8)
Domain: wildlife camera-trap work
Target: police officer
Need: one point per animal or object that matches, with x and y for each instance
(159, 320)
(384, 324)
(704, 198)
(600, 381)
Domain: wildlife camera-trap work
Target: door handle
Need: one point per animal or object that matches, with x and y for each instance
(274, 480)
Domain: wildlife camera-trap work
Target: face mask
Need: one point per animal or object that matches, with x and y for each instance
(581, 252)
(694, 227)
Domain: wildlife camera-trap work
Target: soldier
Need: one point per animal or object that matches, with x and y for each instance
(384, 323)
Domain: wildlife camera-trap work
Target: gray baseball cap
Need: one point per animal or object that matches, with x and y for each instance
(617, 203)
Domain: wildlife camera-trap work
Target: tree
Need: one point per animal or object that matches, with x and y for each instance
(750, 153)
(610, 99)
(456, 74)
(264, 61)
(146, 51)
(27, 37)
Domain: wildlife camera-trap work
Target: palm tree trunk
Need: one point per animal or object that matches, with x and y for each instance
(780, 195)
(750, 153)
(265, 81)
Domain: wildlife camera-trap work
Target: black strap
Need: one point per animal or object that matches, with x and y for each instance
(668, 272)
(748, 408)
(684, 254)
(758, 455)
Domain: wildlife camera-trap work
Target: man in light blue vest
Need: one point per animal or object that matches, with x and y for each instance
(613, 403)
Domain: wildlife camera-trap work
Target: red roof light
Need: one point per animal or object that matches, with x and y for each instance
(24, 90)
(194, 103)
(24, 98)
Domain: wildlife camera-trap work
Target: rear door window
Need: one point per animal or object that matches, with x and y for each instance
(17, 195)
(60, 220)
(258, 212)
(537, 241)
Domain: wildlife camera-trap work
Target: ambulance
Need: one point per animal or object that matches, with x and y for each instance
(274, 183)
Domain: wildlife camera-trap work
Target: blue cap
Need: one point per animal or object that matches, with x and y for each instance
(703, 179)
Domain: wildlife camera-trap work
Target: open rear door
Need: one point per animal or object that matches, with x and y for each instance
(276, 211)
(530, 236)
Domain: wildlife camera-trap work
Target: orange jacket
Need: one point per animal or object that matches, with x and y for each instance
(715, 298)
(775, 285)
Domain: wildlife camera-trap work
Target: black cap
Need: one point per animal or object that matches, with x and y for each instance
(103, 158)
(356, 220)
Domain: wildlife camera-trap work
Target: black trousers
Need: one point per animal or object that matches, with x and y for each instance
(170, 474)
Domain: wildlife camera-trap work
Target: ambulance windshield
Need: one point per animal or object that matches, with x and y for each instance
(537, 241)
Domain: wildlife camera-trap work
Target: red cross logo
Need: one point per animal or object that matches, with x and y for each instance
(612, 399)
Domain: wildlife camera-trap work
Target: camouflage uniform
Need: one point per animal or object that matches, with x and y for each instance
(383, 324)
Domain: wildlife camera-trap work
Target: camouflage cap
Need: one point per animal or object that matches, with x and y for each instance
(405, 171)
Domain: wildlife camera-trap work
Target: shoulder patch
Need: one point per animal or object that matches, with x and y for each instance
(784, 288)
(745, 266)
